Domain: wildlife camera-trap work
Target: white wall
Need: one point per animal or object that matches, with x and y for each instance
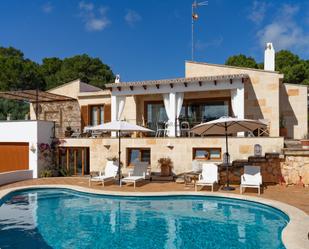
(32, 132)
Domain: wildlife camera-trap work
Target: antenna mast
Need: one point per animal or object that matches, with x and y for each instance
(195, 5)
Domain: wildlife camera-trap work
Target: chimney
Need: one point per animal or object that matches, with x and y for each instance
(269, 57)
(117, 79)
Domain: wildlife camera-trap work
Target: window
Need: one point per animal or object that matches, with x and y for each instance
(96, 114)
(138, 155)
(156, 115)
(204, 111)
(207, 153)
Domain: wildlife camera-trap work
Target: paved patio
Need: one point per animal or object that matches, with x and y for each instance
(294, 195)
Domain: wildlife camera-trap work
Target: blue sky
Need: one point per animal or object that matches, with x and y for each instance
(151, 39)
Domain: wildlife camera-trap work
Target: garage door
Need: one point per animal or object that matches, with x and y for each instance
(14, 156)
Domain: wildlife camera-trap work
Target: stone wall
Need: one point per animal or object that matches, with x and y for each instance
(295, 167)
(63, 113)
(180, 150)
(294, 109)
(292, 168)
(270, 169)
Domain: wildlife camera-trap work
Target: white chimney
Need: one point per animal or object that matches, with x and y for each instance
(117, 79)
(269, 57)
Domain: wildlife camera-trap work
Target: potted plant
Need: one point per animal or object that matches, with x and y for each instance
(68, 132)
(305, 141)
(283, 130)
(166, 165)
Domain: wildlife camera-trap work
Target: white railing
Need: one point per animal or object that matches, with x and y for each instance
(15, 176)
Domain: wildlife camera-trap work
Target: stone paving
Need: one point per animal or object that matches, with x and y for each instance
(294, 195)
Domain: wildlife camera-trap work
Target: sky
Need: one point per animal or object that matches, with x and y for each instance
(151, 39)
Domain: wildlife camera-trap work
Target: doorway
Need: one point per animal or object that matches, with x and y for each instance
(75, 160)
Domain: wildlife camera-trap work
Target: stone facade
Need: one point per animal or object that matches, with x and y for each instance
(294, 109)
(63, 113)
(295, 167)
(180, 150)
(261, 91)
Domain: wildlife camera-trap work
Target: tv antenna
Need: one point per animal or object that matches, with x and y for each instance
(195, 6)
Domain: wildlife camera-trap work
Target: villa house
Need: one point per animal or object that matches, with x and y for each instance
(171, 107)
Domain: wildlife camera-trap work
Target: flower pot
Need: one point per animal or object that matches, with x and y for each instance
(304, 143)
(283, 132)
(165, 170)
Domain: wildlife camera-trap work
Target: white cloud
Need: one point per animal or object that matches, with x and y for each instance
(86, 6)
(47, 7)
(258, 11)
(284, 30)
(94, 19)
(132, 17)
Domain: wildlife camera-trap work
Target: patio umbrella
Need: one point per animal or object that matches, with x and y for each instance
(226, 126)
(119, 126)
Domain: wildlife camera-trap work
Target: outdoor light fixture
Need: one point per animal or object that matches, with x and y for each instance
(170, 146)
(107, 146)
(33, 148)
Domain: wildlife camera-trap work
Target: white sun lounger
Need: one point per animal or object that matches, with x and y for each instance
(110, 173)
(208, 177)
(139, 174)
(251, 178)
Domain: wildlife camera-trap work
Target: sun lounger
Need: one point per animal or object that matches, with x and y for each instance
(209, 176)
(139, 174)
(110, 173)
(251, 178)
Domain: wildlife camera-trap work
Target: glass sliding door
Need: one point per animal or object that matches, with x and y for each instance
(204, 110)
(75, 160)
(155, 115)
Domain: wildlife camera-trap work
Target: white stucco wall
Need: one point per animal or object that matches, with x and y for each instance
(32, 132)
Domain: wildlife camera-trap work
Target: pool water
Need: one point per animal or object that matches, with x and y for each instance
(60, 218)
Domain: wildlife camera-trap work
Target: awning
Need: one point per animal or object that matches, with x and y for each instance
(34, 96)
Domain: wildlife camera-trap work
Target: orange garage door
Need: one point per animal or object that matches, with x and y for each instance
(14, 156)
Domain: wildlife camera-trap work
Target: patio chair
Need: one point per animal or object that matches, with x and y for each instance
(110, 173)
(161, 131)
(209, 176)
(185, 128)
(139, 174)
(251, 178)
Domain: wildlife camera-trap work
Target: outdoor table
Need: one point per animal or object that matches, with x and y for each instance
(191, 178)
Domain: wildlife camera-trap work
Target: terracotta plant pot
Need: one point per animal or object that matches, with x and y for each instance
(304, 143)
(165, 170)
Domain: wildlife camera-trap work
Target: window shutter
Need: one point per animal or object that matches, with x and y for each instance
(107, 113)
(84, 116)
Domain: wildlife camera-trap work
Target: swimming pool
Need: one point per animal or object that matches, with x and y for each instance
(61, 218)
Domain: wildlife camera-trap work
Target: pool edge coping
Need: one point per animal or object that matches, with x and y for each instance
(294, 236)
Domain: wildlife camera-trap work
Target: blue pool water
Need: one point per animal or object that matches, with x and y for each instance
(60, 218)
